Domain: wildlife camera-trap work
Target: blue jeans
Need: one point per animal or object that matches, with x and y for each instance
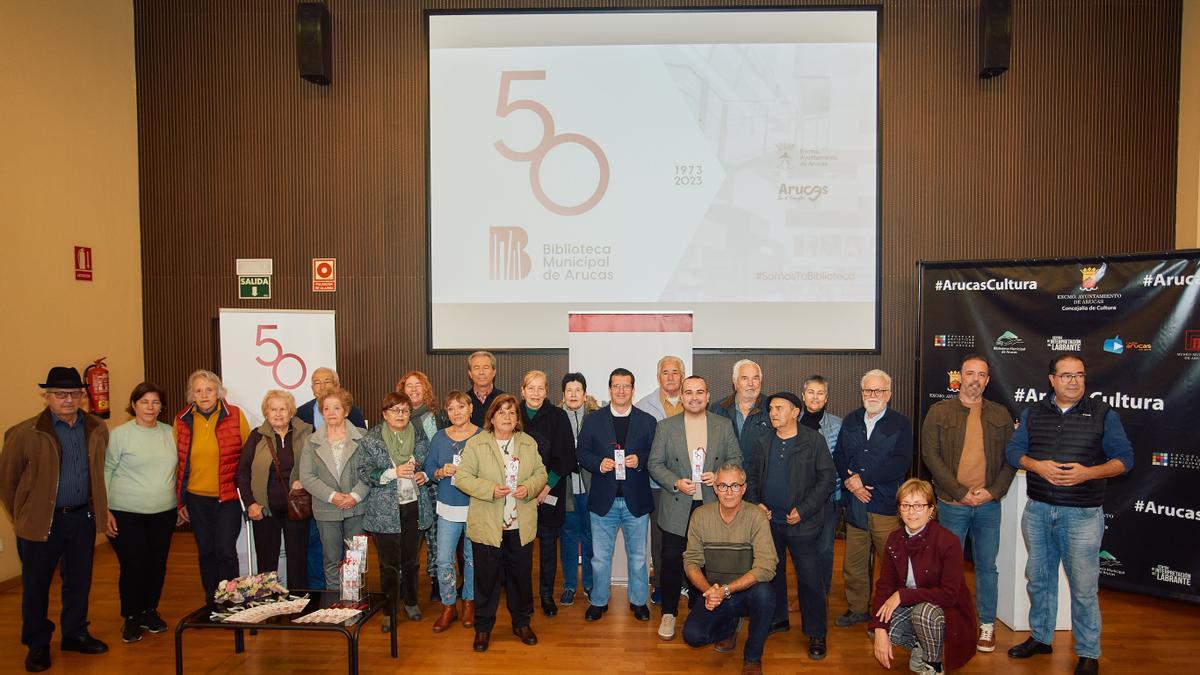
(983, 524)
(448, 533)
(576, 541)
(757, 602)
(1070, 534)
(604, 539)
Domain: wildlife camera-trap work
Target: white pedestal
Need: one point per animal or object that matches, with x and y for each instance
(1012, 601)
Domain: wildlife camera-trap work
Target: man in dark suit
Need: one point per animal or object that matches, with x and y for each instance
(620, 493)
(325, 380)
(874, 451)
(687, 450)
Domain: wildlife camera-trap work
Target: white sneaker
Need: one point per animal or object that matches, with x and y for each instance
(987, 637)
(666, 627)
(916, 660)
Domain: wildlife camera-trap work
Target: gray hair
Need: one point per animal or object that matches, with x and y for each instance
(482, 352)
(337, 381)
(208, 375)
(730, 466)
(670, 357)
(875, 372)
(745, 362)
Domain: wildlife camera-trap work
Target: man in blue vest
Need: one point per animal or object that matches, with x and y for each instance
(1069, 445)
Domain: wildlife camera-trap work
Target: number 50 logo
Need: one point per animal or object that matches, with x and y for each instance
(537, 154)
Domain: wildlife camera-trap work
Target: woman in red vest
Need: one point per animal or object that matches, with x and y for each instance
(209, 434)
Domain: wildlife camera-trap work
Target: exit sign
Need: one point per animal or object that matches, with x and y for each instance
(254, 288)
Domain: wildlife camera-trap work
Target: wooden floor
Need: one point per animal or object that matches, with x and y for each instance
(1141, 635)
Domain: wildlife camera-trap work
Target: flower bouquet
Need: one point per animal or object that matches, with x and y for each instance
(254, 598)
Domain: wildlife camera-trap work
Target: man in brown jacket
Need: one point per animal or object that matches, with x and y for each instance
(962, 444)
(52, 486)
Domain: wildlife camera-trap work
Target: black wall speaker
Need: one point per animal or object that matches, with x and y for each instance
(313, 39)
(995, 37)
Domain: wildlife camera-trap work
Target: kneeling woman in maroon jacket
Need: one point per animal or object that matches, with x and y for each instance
(921, 600)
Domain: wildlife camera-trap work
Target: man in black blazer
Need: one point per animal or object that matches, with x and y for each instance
(620, 493)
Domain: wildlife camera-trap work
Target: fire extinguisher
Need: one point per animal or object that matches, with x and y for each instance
(96, 377)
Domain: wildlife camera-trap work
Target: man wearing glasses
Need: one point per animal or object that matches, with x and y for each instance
(730, 557)
(790, 479)
(614, 444)
(873, 454)
(687, 449)
(962, 443)
(55, 461)
(1069, 445)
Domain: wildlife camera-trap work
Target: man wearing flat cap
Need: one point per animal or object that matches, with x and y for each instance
(52, 486)
(791, 478)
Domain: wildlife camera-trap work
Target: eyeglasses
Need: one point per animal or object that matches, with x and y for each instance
(620, 387)
(916, 508)
(64, 395)
(398, 410)
(1070, 377)
(730, 487)
(874, 392)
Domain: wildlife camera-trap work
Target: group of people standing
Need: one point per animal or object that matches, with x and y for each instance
(723, 491)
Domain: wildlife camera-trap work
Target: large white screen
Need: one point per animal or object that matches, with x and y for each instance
(724, 163)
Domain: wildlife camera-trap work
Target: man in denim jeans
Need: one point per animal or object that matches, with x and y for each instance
(1070, 445)
(962, 443)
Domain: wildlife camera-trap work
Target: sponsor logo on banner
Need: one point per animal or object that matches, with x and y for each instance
(1085, 298)
(1009, 343)
(1170, 576)
(948, 340)
(1091, 277)
(1059, 343)
(1191, 346)
(1115, 345)
(1175, 460)
(954, 380)
(1110, 566)
(1153, 508)
(1171, 280)
(988, 285)
(507, 259)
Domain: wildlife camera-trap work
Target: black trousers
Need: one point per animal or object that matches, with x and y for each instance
(71, 543)
(142, 543)
(672, 577)
(547, 560)
(806, 558)
(398, 562)
(216, 526)
(510, 566)
(270, 532)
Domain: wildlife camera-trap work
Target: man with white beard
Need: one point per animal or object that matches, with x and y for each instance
(874, 451)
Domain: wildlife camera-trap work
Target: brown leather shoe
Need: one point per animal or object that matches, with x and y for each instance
(481, 642)
(730, 643)
(448, 616)
(752, 668)
(468, 613)
(526, 635)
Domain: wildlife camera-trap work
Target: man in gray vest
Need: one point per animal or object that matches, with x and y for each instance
(686, 452)
(1070, 445)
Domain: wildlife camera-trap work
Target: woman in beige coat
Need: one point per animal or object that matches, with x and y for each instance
(503, 473)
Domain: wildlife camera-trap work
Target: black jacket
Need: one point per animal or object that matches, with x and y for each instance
(551, 428)
(810, 480)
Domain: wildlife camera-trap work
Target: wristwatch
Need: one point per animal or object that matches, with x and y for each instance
(725, 588)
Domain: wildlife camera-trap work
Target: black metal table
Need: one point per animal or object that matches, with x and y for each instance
(375, 603)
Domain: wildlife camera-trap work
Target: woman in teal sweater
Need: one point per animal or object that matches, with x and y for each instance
(139, 474)
(398, 506)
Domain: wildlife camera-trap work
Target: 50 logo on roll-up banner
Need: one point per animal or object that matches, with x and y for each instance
(550, 140)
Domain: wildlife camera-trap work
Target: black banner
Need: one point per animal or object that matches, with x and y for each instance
(1135, 322)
